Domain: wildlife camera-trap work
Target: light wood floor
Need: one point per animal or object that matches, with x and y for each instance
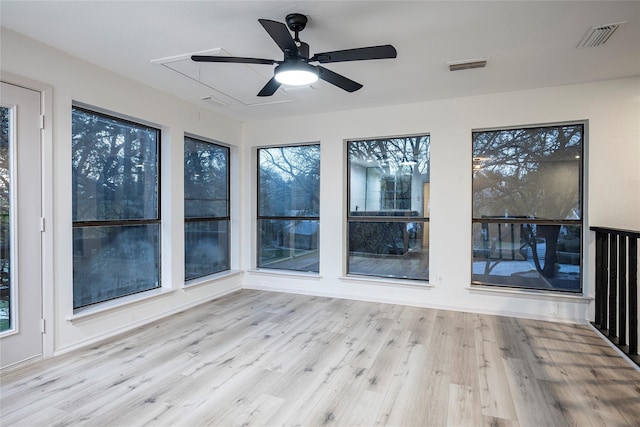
(270, 359)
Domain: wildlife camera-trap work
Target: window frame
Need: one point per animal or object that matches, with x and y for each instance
(349, 218)
(226, 218)
(527, 221)
(89, 224)
(260, 217)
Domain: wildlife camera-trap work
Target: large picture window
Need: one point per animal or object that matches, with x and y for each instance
(527, 207)
(388, 211)
(289, 207)
(206, 208)
(116, 217)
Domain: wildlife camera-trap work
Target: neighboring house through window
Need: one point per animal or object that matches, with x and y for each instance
(527, 207)
(206, 208)
(116, 216)
(388, 209)
(289, 207)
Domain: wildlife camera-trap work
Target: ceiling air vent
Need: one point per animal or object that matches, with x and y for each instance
(597, 36)
(467, 64)
(213, 100)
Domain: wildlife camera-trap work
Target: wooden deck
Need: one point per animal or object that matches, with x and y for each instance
(271, 359)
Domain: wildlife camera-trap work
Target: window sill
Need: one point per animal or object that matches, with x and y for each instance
(409, 283)
(194, 283)
(287, 273)
(541, 294)
(104, 307)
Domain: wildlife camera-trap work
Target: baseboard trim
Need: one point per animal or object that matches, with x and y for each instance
(20, 364)
(141, 322)
(613, 346)
(416, 304)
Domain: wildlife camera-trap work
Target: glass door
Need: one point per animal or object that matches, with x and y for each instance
(20, 225)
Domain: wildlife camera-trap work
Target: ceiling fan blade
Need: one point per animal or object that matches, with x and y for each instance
(360, 54)
(281, 35)
(338, 80)
(234, 59)
(270, 88)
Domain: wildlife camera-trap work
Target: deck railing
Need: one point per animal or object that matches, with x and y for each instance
(616, 310)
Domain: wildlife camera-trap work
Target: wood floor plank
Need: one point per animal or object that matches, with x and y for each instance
(528, 396)
(489, 421)
(256, 358)
(251, 412)
(464, 356)
(311, 382)
(493, 383)
(401, 393)
(599, 390)
(41, 417)
(384, 367)
(423, 381)
(464, 406)
(330, 406)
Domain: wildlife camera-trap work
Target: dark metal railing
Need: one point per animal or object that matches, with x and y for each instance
(616, 310)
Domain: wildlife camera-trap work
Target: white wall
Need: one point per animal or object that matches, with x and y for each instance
(612, 109)
(74, 80)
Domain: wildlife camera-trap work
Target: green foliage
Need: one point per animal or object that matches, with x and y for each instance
(5, 319)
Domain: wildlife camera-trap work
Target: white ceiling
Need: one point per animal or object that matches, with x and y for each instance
(529, 44)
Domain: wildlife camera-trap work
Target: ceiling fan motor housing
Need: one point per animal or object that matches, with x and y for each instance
(296, 22)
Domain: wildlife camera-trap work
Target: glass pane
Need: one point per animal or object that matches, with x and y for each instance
(6, 312)
(290, 245)
(114, 261)
(206, 245)
(389, 176)
(528, 173)
(389, 249)
(527, 255)
(205, 179)
(115, 169)
(289, 181)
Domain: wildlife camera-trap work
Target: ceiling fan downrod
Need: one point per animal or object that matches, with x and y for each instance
(296, 23)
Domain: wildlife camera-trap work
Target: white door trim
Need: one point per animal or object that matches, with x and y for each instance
(46, 108)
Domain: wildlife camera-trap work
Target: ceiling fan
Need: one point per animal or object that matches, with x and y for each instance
(296, 69)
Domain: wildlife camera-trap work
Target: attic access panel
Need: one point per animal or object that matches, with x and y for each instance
(225, 83)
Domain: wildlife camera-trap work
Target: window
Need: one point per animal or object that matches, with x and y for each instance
(388, 212)
(116, 217)
(6, 310)
(289, 207)
(206, 208)
(527, 207)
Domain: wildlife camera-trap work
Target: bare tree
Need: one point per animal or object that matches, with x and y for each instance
(530, 173)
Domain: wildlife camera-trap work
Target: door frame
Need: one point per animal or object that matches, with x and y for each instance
(46, 146)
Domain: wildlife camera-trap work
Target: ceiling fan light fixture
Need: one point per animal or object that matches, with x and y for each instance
(296, 75)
